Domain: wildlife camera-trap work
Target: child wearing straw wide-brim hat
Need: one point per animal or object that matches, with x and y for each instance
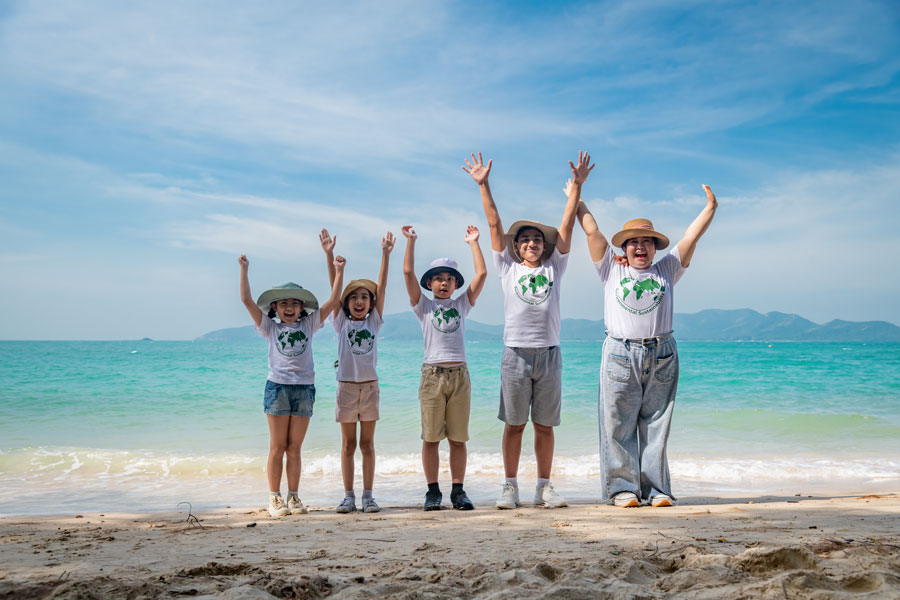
(531, 259)
(638, 313)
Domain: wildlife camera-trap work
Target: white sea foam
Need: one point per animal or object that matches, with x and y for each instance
(133, 480)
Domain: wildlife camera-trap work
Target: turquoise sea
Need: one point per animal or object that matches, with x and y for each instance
(141, 425)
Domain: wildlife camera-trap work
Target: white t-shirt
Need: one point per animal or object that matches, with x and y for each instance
(443, 324)
(357, 346)
(637, 303)
(531, 300)
(290, 349)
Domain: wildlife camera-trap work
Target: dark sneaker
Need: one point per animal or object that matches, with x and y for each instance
(433, 501)
(461, 501)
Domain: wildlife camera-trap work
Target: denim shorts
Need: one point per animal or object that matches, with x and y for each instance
(292, 400)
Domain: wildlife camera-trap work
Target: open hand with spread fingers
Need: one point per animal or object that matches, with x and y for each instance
(477, 169)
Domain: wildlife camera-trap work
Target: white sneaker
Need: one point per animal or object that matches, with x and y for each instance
(295, 506)
(347, 505)
(276, 506)
(662, 500)
(626, 500)
(509, 498)
(546, 497)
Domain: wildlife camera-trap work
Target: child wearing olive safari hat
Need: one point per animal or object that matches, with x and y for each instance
(531, 259)
(290, 390)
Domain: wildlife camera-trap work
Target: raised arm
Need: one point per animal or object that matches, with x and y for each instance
(580, 174)
(480, 173)
(597, 243)
(477, 283)
(246, 297)
(688, 243)
(333, 304)
(387, 244)
(328, 243)
(409, 262)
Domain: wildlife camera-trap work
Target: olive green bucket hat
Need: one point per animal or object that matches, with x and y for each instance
(288, 291)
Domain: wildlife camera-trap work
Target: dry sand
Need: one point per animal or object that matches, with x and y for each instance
(769, 547)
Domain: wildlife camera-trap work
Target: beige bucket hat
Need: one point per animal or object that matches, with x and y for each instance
(355, 284)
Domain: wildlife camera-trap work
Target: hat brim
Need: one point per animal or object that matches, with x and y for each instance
(550, 236)
(309, 301)
(355, 284)
(626, 234)
(435, 270)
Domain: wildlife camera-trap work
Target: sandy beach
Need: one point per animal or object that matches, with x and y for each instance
(773, 547)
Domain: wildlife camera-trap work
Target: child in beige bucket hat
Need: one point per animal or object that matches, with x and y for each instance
(357, 319)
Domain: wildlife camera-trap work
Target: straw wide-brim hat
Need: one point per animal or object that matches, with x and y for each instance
(442, 265)
(289, 290)
(355, 284)
(639, 228)
(550, 235)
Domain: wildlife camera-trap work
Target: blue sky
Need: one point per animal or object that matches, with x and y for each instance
(143, 148)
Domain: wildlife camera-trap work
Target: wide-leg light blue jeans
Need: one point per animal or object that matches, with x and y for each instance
(638, 379)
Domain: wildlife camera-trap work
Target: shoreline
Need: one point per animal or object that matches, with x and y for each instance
(706, 547)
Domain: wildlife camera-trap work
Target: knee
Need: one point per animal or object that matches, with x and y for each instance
(456, 445)
(544, 430)
(277, 447)
(367, 446)
(515, 429)
(348, 446)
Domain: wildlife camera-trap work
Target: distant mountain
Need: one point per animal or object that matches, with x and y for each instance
(710, 325)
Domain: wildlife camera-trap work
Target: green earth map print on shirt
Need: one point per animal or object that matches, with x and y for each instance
(533, 289)
(361, 341)
(642, 296)
(291, 342)
(446, 320)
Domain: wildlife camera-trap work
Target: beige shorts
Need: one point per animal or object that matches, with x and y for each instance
(444, 395)
(356, 402)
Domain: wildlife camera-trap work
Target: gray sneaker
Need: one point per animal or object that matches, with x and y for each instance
(347, 505)
(369, 505)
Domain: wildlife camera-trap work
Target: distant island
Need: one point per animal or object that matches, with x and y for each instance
(711, 325)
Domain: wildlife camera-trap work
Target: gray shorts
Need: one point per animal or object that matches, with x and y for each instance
(531, 381)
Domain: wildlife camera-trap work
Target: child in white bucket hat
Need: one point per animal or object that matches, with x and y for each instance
(531, 259)
(290, 387)
(357, 319)
(444, 389)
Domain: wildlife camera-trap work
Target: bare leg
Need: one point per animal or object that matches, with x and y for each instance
(543, 449)
(296, 432)
(278, 442)
(458, 458)
(367, 448)
(431, 461)
(512, 448)
(348, 453)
